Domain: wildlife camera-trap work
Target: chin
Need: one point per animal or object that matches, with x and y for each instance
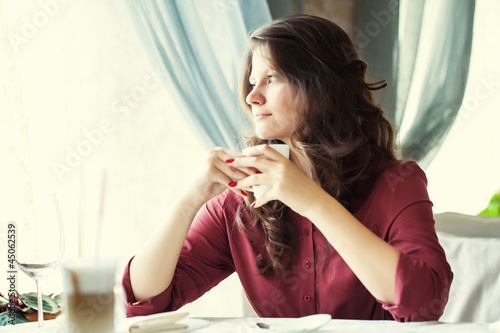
(266, 135)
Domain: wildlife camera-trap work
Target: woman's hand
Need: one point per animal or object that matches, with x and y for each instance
(219, 174)
(287, 183)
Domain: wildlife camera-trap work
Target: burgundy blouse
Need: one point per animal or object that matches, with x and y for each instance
(398, 210)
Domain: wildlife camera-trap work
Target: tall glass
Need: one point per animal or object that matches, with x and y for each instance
(40, 244)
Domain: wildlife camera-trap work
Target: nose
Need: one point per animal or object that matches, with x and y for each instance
(255, 97)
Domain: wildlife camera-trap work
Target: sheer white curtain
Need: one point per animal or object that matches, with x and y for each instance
(186, 40)
(82, 108)
(437, 64)
(465, 173)
(33, 118)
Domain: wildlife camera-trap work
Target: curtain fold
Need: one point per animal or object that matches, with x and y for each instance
(438, 74)
(411, 13)
(198, 67)
(422, 48)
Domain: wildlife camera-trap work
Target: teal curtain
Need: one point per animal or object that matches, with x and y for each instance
(438, 82)
(201, 75)
(422, 48)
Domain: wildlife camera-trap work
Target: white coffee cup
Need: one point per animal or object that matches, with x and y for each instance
(284, 150)
(89, 295)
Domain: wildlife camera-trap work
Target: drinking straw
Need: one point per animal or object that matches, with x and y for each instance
(101, 213)
(61, 227)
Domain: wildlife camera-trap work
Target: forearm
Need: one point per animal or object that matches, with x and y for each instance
(152, 269)
(372, 260)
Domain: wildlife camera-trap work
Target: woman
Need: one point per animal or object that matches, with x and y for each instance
(346, 228)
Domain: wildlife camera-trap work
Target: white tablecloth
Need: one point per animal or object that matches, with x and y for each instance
(247, 325)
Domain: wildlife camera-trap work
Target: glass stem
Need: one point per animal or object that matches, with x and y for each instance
(39, 303)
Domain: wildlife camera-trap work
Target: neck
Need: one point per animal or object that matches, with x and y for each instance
(300, 160)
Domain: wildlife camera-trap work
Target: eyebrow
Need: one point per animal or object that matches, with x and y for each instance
(273, 73)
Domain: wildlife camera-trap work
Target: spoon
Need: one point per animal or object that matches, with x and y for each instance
(264, 326)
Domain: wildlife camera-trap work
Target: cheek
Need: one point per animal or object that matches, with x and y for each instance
(293, 107)
(286, 99)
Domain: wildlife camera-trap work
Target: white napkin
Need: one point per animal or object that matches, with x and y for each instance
(160, 322)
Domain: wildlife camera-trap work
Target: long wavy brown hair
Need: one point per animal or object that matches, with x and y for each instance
(343, 132)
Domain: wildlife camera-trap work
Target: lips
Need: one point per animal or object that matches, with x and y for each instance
(262, 115)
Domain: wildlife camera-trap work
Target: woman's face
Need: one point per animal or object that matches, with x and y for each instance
(274, 102)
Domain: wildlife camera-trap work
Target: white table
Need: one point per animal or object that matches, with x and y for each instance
(247, 325)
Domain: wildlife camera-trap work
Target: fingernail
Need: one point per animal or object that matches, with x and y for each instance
(231, 160)
(244, 193)
(257, 172)
(232, 184)
(253, 204)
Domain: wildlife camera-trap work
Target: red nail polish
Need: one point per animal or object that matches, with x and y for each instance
(244, 193)
(253, 204)
(232, 184)
(257, 172)
(231, 160)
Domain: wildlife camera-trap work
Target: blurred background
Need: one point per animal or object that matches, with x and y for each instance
(89, 109)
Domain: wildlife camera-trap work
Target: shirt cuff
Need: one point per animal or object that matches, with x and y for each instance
(417, 293)
(156, 304)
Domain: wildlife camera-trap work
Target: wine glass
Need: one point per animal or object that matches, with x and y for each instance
(41, 243)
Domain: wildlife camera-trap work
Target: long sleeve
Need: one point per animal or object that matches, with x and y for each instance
(423, 276)
(205, 260)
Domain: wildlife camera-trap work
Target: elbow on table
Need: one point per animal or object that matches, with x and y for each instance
(423, 296)
(433, 306)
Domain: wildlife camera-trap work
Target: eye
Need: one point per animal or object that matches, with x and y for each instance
(250, 86)
(270, 79)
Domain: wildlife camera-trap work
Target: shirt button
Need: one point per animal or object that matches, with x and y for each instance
(307, 298)
(308, 263)
(306, 232)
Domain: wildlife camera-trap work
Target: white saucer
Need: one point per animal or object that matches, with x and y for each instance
(303, 324)
(192, 324)
(122, 327)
